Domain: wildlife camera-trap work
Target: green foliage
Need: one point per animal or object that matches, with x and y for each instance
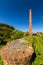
(37, 43)
(8, 33)
(38, 60)
(29, 40)
(1, 62)
(16, 34)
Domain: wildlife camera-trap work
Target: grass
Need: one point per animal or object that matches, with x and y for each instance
(1, 62)
(37, 43)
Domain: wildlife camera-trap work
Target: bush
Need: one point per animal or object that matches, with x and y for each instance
(8, 33)
(37, 43)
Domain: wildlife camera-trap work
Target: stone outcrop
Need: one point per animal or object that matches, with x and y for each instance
(16, 52)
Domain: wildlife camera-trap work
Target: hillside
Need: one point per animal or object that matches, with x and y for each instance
(8, 33)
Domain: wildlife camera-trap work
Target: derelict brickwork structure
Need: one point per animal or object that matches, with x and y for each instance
(30, 22)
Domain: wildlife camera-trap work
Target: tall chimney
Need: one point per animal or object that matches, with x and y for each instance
(30, 22)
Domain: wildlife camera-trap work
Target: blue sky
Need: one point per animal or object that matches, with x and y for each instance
(16, 13)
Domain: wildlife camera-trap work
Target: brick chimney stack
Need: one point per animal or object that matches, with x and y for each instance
(30, 22)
